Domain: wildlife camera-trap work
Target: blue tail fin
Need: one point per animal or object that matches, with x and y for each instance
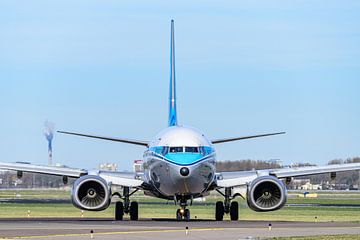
(172, 97)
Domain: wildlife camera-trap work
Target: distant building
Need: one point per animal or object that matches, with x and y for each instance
(108, 166)
(138, 165)
(309, 186)
(304, 184)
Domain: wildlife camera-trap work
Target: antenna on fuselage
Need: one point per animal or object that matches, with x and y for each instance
(172, 96)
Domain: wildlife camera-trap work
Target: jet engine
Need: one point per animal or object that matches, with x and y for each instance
(91, 193)
(266, 193)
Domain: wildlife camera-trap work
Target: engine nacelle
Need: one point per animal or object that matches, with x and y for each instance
(266, 193)
(91, 193)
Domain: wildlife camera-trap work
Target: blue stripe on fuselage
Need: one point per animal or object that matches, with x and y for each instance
(181, 162)
(183, 158)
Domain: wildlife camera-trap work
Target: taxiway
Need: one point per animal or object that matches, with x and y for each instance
(165, 229)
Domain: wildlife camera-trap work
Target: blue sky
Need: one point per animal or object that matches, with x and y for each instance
(243, 67)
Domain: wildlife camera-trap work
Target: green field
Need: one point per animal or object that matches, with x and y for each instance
(164, 209)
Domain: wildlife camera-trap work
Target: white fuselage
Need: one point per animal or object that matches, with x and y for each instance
(180, 162)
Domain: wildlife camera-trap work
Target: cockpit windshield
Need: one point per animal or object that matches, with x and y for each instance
(191, 149)
(176, 149)
(162, 150)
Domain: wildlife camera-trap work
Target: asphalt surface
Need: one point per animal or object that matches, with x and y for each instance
(165, 229)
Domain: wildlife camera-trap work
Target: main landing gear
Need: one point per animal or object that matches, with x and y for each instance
(228, 207)
(126, 207)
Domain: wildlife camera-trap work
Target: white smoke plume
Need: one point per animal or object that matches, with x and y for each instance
(49, 130)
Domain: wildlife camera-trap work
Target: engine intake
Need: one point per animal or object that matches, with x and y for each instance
(91, 193)
(266, 193)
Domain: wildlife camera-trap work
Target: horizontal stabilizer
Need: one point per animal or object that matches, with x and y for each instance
(223, 140)
(123, 140)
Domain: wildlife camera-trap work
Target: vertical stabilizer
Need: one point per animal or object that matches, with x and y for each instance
(172, 97)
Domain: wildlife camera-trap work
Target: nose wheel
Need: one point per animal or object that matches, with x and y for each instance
(183, 214)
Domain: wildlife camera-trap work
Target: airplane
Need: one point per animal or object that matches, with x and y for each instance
(179, 165)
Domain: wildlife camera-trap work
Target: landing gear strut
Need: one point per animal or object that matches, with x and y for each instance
(228, 206)
(127, 207)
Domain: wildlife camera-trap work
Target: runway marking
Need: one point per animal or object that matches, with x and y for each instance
(149, 231)
(115, 233)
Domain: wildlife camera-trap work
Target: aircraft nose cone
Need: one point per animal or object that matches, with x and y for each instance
(184, 171)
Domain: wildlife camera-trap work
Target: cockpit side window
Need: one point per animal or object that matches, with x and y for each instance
(176, 149)
(206, 150)
(191, 149)
(164, 150)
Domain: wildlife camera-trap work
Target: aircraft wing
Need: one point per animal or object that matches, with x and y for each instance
(126, 179)
(49, 170)
(233, 179)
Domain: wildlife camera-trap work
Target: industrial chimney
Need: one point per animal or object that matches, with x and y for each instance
(49, 135)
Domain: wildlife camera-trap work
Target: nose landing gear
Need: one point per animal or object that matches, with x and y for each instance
(183, 213)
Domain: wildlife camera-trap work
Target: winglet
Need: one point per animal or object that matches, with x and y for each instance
(172, 96)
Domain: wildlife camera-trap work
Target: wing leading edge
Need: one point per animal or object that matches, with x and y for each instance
(49, 170)
(125, 179)
(241, 178)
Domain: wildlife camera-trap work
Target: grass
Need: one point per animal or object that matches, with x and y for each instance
(324, 237)
(35, 194)
(168, 209)
(308, 214)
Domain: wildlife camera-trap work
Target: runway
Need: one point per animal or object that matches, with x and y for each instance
(164, 229)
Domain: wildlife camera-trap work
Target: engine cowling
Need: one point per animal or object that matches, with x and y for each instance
(91, 193)
(266, 193)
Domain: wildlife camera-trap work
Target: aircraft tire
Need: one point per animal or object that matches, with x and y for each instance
(219, 211)
(234, 211)
(178, 215)
(134, 211)
(119, 211)
(187, 215)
